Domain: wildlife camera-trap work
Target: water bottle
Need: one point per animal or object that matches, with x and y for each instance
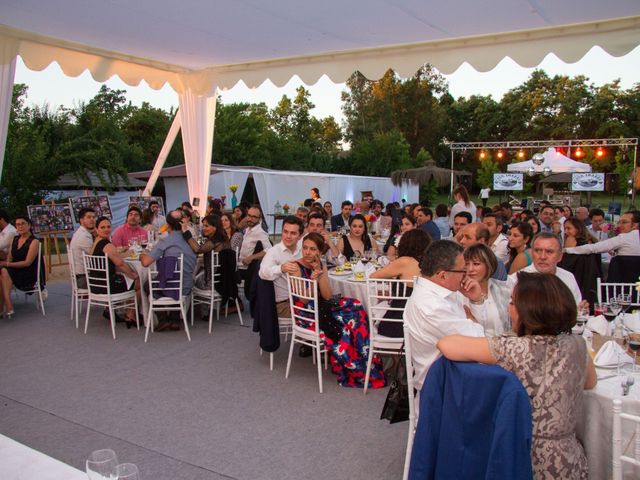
(327, 225)
(277, 208)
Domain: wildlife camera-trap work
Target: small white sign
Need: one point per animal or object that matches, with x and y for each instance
(587, 182)
(508, 181)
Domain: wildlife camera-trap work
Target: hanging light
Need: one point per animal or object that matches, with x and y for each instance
(482, 154)
(521, 153)
(500, 154)
(600, 152)
(531, 171)
(546, 171)
(579, 153)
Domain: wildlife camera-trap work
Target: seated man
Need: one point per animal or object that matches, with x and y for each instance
(596, 221)
(130, 229)
(342, 219)
(172, 245)
(7, 232)
(627, 242)
(424, 219)
(316, 224)
(280, 260)
(255, 244)
(498, 241)
(82, 242)
(460, 220)
(436, 307)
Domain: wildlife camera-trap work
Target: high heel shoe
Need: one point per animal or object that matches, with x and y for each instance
(8, 314)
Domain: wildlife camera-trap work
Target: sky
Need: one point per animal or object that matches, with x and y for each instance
(52, 87)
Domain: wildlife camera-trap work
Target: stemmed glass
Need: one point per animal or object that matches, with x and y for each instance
(634, 345)
(127, 471)
(101, 465)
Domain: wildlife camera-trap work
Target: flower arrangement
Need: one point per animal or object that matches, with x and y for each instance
(285, 208)
(233, 187)
(370, 217)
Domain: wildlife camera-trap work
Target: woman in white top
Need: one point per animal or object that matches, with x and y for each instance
(481, 265)
(463, 204)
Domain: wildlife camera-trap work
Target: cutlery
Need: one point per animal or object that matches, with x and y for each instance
(626, 385)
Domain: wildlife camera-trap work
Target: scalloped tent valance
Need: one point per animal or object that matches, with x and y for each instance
(203, 45)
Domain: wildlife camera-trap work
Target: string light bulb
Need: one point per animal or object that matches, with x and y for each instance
(579, 153)
(482, 155)
(500, 154)
(600, 152)
(520, 153)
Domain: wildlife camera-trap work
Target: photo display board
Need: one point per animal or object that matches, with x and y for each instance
(508, 181)
(100, 203)
(587, 182)
(143, 202)
(51, 218)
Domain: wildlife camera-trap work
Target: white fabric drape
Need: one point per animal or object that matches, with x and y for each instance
(7, 74)
(220, 181)
(197, 117)
(162, 156)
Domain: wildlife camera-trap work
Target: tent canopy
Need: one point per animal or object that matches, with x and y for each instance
(430, 171)
(557, 162)
(199, 45)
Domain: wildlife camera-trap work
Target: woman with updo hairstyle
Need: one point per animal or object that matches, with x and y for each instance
(553, 366)
(344, 322)
(520, 237)
(407, 266)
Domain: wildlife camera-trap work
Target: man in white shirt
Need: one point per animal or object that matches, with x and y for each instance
(597, 220)
(82, 242)
(498, 241)
(279, 260)
(437, 306)
(252, 235)
(546, 252)
(627, 242)
(7, 232)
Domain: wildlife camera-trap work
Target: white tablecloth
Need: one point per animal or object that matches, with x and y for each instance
(143, 273)
(595, 427)
(348, 287)
(19, 462)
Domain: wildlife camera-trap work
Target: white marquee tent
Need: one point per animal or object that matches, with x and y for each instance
(554, 160)
(200, 47)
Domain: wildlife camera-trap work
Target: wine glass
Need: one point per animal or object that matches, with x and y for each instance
(127, 471)
(634, 345)
(101, 465)
(366, 257)
(615, 306)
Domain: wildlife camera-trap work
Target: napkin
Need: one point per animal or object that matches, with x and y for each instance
(599, 325)
(611, 354)
(632, 321)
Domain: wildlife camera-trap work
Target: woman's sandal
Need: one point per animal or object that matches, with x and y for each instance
(8, 314)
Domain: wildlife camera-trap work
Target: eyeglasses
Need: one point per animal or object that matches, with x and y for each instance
(21, 224)
(257, 217)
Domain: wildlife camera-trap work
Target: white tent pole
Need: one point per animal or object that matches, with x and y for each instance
(162, 156)
(197, 117)
(7, 75)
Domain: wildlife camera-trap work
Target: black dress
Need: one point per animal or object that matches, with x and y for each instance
(117, 282)
(24, 278)
(394, 329)
(348, 251)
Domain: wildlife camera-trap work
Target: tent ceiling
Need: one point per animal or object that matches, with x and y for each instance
(199, 44)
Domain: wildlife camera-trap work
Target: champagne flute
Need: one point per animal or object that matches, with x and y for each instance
(101, 465)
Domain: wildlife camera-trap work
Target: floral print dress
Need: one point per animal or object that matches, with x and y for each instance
(348, 356)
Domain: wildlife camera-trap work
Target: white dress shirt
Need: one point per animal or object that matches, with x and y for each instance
(622, 244)
(252, 235)
(599, 235)
(461, 207)
(270, 268)
(433, 312)
(567, 278)
(82, 241)
(6, 237)
(500, 247)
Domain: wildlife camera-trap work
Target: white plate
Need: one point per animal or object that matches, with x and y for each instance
(344, 273)
(358, 281)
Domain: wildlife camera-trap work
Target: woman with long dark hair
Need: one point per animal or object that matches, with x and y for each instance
(357, 240)
(576, 234)
(520, 237)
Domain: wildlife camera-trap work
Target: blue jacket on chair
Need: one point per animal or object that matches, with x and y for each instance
(475, 423)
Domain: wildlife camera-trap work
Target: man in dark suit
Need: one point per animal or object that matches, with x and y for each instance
(342, 218)
(424, 219)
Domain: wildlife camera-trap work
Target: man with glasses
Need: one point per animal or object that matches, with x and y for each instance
(444, 302)
(82, 242)
(255, 244)
(627, 242)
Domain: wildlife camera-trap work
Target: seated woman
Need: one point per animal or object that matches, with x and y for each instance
(405, 267)
(216, 241)
(576, 234)
(328, 210)
(481, 265)
(117, 266)
(345, 326)
(534, 222)
(552, 364)
(21, 265)
(357, 240)
(408, 223)
(231, 230)
(520, 237)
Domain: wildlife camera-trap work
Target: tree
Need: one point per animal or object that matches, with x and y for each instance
(379, 156)
(484, 175)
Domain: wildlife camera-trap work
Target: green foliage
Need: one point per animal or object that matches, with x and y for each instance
(484, 175)
(380, 155)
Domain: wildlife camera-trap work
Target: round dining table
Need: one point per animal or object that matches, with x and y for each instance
(346, 285)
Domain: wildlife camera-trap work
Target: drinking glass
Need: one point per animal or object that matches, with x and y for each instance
(127, 471)
(101, 465)
(634, 345)
(598, 309)
(615, 306)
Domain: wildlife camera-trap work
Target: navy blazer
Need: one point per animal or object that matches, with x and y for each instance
(475, 423)
(336, 222)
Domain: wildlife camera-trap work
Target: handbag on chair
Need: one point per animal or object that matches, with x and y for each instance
(396, 406)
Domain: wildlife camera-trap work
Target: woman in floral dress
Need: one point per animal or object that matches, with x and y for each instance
(552, 364)
(345, 327)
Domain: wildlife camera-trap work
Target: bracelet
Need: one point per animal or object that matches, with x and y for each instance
(187, 235)
(479, 302)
